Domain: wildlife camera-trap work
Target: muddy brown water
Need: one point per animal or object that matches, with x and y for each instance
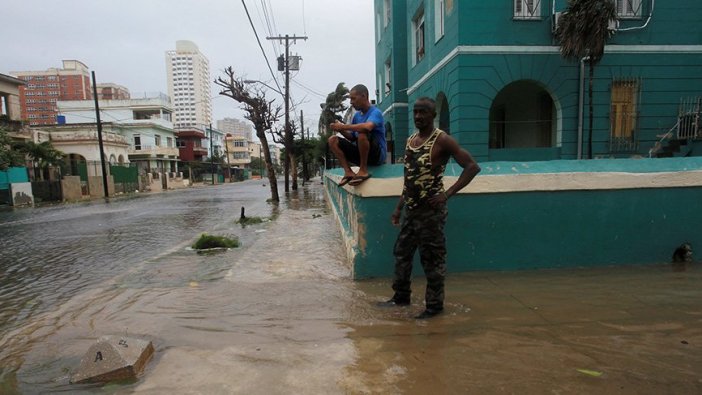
(281, 315)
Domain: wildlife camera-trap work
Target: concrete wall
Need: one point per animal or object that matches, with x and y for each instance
(519, 215)
(71, 189)
(97, 189)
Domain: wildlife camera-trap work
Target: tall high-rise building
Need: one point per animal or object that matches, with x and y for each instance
(189, 85)
(236, 127)
(43, 89)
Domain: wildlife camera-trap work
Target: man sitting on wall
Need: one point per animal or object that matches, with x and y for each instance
(363, 142)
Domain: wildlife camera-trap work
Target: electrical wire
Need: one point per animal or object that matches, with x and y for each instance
(308, 89)
(304, 25)
(260, 45)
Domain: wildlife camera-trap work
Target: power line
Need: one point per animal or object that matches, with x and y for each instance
(310, 90)
(266, 22)
(259, 44)
(304, 25)
(275, 26)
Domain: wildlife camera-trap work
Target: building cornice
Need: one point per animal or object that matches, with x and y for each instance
(395, 105)
(545, 50)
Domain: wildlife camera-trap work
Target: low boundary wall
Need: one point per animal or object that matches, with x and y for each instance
(527, 215)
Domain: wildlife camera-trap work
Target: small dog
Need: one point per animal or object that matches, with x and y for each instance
(682, 256)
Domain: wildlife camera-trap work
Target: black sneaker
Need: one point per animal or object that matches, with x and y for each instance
(393, 303)
(428, 313)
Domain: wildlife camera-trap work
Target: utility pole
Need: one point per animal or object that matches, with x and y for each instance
(304, 148)
(99, 130)
(226, 152)
(211, 156)
(288, 132)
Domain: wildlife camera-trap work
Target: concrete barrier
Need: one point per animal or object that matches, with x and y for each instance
(113, 358)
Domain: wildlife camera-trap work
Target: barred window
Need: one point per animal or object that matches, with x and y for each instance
(527, 9)
(624, 111)
(628, 8)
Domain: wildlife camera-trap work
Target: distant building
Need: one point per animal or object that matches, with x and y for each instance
(236, 127)
(238, 151)
(145, 124)
(188, 76)
(10, 115)
(10, 97)
(189, 142)
(214, 143)
(110, 91)
(44, 88)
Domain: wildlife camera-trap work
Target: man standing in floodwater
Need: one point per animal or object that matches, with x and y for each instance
(424, 199)
(363, 142)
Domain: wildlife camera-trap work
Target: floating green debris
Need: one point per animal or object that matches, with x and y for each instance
(206, 242)
(250, 220)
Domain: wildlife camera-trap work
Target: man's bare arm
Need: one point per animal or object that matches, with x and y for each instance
(464, 159)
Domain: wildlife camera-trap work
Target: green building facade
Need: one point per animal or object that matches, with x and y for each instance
(505, 93)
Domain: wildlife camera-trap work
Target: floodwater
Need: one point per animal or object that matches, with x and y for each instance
(281, 315)
(249, 320)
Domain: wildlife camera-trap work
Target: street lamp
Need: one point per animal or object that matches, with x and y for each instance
(264, 84)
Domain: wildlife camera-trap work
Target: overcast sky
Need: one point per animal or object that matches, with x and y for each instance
(124, 42)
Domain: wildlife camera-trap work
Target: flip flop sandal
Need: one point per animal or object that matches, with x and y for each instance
(345, 180)
(358, 180)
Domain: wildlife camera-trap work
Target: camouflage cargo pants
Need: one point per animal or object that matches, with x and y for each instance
(422, 228)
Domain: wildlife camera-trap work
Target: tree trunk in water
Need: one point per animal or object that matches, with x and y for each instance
(293, 169)
(592, 75)
(269, 167)
(286, 166)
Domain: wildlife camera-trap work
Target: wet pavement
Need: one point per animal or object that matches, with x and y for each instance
(281, 314)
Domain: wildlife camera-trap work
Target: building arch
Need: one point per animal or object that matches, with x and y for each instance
(443, 114)
(524, 114)
(113, 159)
(390, 141)
(76, 165)
(120, 159)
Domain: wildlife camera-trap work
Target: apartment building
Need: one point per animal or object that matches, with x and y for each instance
(188, 76)
(236, 127)
(43, 89)
(504, 92)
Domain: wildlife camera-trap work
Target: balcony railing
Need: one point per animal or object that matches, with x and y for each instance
(153, 150)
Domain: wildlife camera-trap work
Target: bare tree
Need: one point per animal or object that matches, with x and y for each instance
(279, 137)
(259, 110)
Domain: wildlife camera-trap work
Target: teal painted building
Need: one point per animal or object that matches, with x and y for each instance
(505, 93)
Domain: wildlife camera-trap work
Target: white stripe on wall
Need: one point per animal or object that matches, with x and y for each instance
(504, 183)
(393, 106)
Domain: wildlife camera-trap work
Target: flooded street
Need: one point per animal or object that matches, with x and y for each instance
(281, 315)
(266, 310)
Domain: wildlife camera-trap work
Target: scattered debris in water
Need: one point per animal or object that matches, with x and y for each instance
(207, 242)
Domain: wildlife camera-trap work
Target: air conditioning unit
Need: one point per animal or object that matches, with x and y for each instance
(556, 18)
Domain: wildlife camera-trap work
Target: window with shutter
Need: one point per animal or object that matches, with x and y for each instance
(527, 9)
(629, 8)
(624, 114)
